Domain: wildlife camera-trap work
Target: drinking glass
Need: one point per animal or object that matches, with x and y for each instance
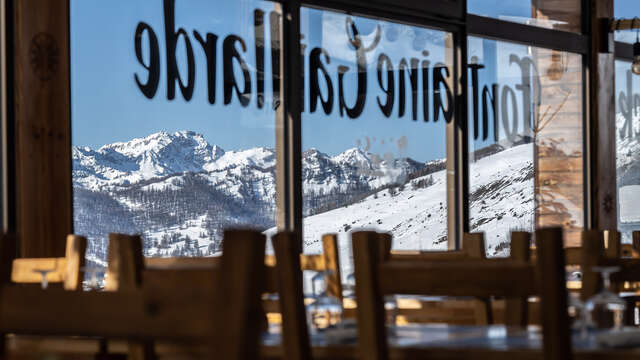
(94, 282)
(578, 314)
(44, 283)
(326, 309)
(606, 309)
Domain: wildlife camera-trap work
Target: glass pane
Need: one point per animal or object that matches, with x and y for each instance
(378, 101)
(173, 121)
(525, 141)
(628, 146)
(627, 9)
(551, 14)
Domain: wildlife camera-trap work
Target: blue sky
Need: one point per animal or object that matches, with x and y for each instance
(107, 105)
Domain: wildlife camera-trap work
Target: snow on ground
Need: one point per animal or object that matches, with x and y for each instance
(417, 217)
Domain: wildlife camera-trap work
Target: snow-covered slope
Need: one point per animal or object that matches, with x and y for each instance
(179, 191)
(501, 195)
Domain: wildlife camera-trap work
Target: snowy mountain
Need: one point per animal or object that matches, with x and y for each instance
(179, 191)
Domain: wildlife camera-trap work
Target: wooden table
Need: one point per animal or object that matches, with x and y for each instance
(453, 342)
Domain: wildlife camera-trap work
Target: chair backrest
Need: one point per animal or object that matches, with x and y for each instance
(328, 261)
(377, 275)
(473, 247)
(295, 335)
(611, 246)
(226, 313)
(66, 270)
(280, 273)
(595, 255)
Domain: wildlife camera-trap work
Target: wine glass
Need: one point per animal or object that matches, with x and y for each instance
(326, 310)
(578, 314)
(44, 283)
(606, 309)
(93, 271)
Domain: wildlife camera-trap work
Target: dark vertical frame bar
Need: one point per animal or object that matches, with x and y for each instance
(8, 122)
(289, 135)
(587, 121)
(463, 120)
(602, 111)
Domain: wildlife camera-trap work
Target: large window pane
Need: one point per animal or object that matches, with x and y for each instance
(173, 121)
(551, 14)
(525, 141)
(627, 9)
(378, 101)
(628, 146)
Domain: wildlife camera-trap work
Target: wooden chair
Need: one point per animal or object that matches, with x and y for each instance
(226, 317)
(282, 272)
(378, 275)
(456, 311)
(66, 270)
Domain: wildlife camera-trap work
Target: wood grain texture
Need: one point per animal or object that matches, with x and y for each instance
(372, 341)
(126, 262)
(553, 295)
(75, 256)
(516, 309)
(294, 321)
(43, 133)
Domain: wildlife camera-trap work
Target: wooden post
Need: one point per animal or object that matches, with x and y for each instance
(43, 138)
(601, 87)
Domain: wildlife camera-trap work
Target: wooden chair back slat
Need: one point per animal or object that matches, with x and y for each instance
(513, 278)
(186, 263)
(368, 248)
(612, 244)
(66, 270)
(330, 254)
(551, 280)
(472, 278)
(238, 334)
(125, 262)
(26, 271)
(592, 249)
(295, 336)
(75, 256)
(516, 309)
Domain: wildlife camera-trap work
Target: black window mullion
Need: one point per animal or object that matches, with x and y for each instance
(529, 35)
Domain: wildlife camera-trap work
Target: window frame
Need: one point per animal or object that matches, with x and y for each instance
(451, 16)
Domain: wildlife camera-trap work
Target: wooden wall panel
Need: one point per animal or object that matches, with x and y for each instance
(43, 126)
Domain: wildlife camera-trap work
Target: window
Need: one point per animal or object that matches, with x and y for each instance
(626, 9)
(378, 101)
(627, 144)
(551, 14)
(525, 133)
(173, 117)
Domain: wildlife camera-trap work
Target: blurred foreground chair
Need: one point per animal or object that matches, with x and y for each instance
(378, 275)
(477, 311)
(67, 270)
(225, 313)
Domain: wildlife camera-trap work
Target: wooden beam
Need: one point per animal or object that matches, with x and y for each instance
(601, 92)
(43, 143)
